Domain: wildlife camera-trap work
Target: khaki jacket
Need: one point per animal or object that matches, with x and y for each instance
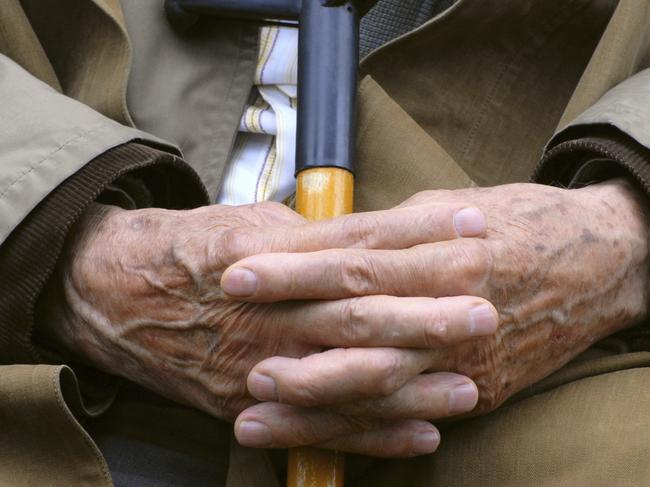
(471, 97)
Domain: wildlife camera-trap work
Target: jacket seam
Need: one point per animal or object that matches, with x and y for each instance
(24, 174)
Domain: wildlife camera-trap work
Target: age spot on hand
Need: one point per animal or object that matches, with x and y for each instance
(587, 236)
(138, 223)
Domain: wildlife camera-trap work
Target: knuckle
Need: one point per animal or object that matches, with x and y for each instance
(437, 331)
(356, 275)
(473, 259)
(388, 371)
(355, 424)
(482, 261)
(361, 230)
(235, 245)
(308, 393)
(354, 329)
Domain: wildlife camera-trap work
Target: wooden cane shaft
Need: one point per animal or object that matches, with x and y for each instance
(321, 193)
(312, 467)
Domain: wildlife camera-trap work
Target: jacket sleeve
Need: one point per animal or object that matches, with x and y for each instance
(610, 139)
(56, 157)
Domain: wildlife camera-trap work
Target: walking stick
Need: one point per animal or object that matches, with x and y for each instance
(328, 57)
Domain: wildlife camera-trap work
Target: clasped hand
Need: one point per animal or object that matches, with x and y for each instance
(353, 333)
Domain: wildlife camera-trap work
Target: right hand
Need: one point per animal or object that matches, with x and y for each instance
(138, 295)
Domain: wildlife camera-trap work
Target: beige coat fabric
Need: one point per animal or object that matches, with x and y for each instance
(190, 89)
(471, 97)
(40, 147)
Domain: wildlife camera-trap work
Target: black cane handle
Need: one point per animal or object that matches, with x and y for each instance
(184, 13)
(327, 68)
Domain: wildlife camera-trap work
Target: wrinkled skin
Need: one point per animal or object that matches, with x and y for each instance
(564, 268)
(137, 294)
(142, 294)
(385, 329)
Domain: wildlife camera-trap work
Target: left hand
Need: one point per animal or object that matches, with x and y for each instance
(564, 268)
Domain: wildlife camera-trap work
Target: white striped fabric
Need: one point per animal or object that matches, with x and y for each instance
(262, 162)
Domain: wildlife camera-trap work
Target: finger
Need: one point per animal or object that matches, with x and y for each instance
(404, 439)
(389, 229)
(452, 268)
(272, 425)
(387, 321)
(427, 396)
(335, 376)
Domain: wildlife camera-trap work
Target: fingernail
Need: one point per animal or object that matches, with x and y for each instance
(425, 442)
(254, 434)
(482, 321)
(463, 399)
(262, 387)
(239, 282)
(469, 222)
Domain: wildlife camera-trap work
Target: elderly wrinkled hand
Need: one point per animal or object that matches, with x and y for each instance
(564, 268)
(138, 295)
